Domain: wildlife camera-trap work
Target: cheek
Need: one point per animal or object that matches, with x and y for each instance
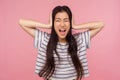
(56, 29)
(56, 26)
(68, 26)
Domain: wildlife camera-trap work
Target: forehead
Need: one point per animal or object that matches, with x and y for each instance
(61, 15)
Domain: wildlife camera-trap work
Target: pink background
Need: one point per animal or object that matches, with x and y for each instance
(18, 56)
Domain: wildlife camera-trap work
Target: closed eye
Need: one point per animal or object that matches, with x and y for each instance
(57, 20)
(66, 19)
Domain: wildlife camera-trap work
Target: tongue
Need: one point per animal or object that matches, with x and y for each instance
(62, 33)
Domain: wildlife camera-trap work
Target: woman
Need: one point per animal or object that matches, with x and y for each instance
(62, 56)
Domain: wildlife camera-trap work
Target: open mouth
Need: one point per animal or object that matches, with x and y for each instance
(62, 30)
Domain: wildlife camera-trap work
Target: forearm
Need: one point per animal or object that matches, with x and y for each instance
(89, 25)
(33, 24)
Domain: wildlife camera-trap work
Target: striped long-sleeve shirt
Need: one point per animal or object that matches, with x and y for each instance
(64, 69)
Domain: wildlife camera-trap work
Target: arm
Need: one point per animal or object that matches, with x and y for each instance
(94, 27)
(30, 25)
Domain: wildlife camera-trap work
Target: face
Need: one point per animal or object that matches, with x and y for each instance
(62, 24)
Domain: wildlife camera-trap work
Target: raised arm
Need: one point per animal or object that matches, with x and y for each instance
(94, 27)
(30, 25)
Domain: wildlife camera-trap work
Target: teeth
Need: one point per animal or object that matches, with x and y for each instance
(62, 30)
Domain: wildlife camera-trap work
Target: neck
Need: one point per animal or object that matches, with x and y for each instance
(62, 40)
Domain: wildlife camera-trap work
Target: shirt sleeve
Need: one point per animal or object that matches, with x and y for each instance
(39, 35)
(86, 38)
(83, 39)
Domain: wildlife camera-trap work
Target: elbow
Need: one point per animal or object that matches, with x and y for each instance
(102, 24)
(20, 21)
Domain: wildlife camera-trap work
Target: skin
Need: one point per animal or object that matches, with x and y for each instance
(62, 22)
(30, 26)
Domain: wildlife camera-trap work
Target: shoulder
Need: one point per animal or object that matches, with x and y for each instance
(83, 38)
(41, 37)
(81, 34)
(42, 33)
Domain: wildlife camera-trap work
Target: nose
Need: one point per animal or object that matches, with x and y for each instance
(62, 24)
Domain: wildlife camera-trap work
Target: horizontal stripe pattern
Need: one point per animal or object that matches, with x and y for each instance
(64, 68)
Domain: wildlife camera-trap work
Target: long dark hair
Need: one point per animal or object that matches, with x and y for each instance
(49, 67)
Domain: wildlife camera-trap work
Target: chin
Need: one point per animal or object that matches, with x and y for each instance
(62, 37)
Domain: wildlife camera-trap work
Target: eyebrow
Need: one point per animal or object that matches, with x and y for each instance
(60, 18)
